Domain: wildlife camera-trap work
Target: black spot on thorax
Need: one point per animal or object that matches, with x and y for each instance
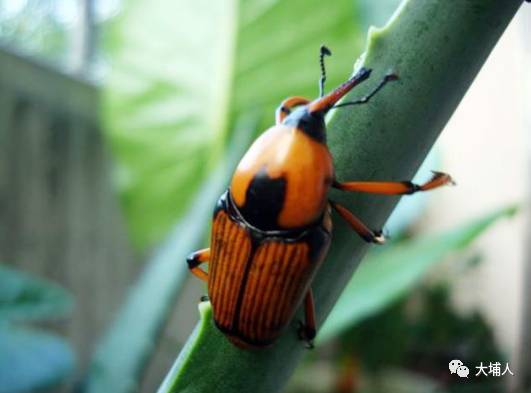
(264, 201)
(312, 124)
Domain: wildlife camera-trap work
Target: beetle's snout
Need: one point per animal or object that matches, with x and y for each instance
(324, 104)
(362, 74)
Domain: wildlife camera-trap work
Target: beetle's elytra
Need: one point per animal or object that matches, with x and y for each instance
(272, 228)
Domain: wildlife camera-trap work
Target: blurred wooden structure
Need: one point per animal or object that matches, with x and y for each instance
(58, 216)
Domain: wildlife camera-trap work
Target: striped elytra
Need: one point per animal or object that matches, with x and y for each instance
(257, 279)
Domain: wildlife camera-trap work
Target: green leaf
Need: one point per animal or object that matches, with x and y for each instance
(30, 359)
(27, 298)
(437, 47)
(387, 275)
(183, 71)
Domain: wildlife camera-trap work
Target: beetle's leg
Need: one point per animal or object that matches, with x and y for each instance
(307, 330)
(285, 107)
(358, 226)
(363, 100)
(396, 188)
(197, 258)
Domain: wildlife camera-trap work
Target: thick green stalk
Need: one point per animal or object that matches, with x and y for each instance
(437, 47)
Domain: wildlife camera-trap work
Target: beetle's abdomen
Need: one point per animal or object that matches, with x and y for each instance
(283, 179)
(257, 279)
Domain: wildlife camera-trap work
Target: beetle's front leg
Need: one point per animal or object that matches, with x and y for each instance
(307, 329)
(359, 227)
(197, 258)
(395, 188)
(285, 107)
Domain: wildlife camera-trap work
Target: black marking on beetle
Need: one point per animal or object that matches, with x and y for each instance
(258, 235)
(264, 200)
(312, 124)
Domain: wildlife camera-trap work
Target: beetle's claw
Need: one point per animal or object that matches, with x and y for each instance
(306, 334)
(379, 237)
(448, 179)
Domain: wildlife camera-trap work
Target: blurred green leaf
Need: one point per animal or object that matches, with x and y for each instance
(27, 298)
(183, 71)
(388, 274)
(31, 359)
(127, 345)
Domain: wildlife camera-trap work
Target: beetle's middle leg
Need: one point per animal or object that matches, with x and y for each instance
(197, 258)
(285, 107)
(307, 330)
(359, 227)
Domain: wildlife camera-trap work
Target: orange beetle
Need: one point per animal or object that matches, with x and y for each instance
(272, 228)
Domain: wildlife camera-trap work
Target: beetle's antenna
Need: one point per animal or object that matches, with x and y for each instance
(324, 51)
(391, 76)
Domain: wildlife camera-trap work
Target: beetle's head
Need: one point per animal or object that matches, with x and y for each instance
(312, 124)
(310, 118)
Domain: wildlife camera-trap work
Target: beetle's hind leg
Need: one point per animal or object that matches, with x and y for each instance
(306, 330)
(197, 258)
(287, 105)
(396, 188)
(359, 227)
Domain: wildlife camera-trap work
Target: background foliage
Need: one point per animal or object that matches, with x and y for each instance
(30, 358)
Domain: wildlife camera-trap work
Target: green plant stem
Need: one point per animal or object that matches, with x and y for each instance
(437, 47)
